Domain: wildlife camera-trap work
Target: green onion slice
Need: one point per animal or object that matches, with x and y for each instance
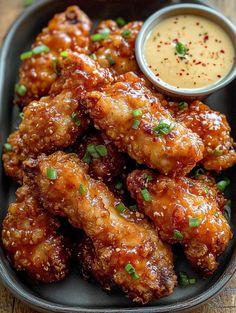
(64, 54)
(136, 124)
(178, 235)
(164, 127)
(101, 36)
(185, 280)
(194, 222)
(101, 150)
(126, 33)
(110, 60)
(183, 105)
(75, 118)
(20, 89)
(120, 207)
(119, 185)
(51, 173)
(137, 113)
(146, 195)
(133, 207)
(21, 115)
(40, 49)
(131, 271)
(26, 55)
(56, 66)
(120, 21)
(7, 147)
(223, 184)
(93, 56)
(82, 189)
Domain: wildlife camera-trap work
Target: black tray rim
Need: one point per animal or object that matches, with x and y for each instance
(46, 306)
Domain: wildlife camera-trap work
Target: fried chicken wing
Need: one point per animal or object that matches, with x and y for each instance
(30, 237)
(104, 159)
(134, 119)
(214, 130)
(185, 211)
(67, 30)
(56, 121)
(117, 50)
(127, 251)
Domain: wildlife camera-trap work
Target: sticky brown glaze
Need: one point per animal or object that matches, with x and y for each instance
(118, 238)
(67, 30)
(31, 240)
(107, 167)
(175, 201)
(48, 124)
(118, 47)
(111, 109)
(214, 130)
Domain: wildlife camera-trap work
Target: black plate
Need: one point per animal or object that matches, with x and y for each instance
(73, 294)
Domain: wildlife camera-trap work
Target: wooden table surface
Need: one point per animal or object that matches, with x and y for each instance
(225, 302)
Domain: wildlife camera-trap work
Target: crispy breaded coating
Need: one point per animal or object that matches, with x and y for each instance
(31, 240)
(103, 157)
(56, 121)
(134, 119)
(185, 211)
(121, 240)
(68, 30)
(214, 130)
(117, 50)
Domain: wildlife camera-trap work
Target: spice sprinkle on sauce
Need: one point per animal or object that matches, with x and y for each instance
(189, 51)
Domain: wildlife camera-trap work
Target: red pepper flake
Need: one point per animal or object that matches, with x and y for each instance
(206, 37)
(158, 46)
(219, 76)
(194, 83)
(222, 51)
(180, 74)
(187, 74)
(197, 23)
(204, 64)
(183, 70)
(157, 74)
(205, 47)
(199, 62)
(175, 40)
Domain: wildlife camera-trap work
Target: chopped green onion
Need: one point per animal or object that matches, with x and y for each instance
(82, 189)
(93, 56)
(199, 172)
(133, 207)
(194, 222)
(110, 60)
(91, 149)
(136, 124)
(206, 189)
(126, 33)
(101, 36)
(26, 55)
(56, 66)
(178, 235)
(217, 152)
(101, 150)
(40, 49)
(184, 280)
(119, 185)
(20, 89)
(120, 21)
(183, 105)
(51, 173)
(137, 112)
(164, 127)
(131, 271)
(75, 118)
(180, 49)
(64, 54)
(223, 184)
(7, 147)
(86, 158)
(120, 207)
(28, 2)
(217, 214)
(21, 115)
(146, 195)
(148, 178)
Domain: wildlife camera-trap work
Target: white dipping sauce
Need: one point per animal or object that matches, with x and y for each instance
(189, 51)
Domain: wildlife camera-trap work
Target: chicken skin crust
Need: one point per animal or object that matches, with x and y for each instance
(67, 30)
(31, 240)
(117, 50)
(153, 137)
(214, 130)
(119, 238)
(56, 121)
(185, 211)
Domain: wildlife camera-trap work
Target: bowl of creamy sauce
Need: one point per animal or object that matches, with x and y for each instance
(187, 50)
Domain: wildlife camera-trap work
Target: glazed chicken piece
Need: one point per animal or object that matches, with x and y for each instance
(104, 159)
(127, 251)
(31, 240)
(116, 50)
(214, 130)
(185, 211)
(66, 31)
(134, 119)
(56, 121)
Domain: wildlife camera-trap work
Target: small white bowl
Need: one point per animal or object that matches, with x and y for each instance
(173, 10)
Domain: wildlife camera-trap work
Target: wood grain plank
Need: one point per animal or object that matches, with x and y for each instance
(225, 302)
